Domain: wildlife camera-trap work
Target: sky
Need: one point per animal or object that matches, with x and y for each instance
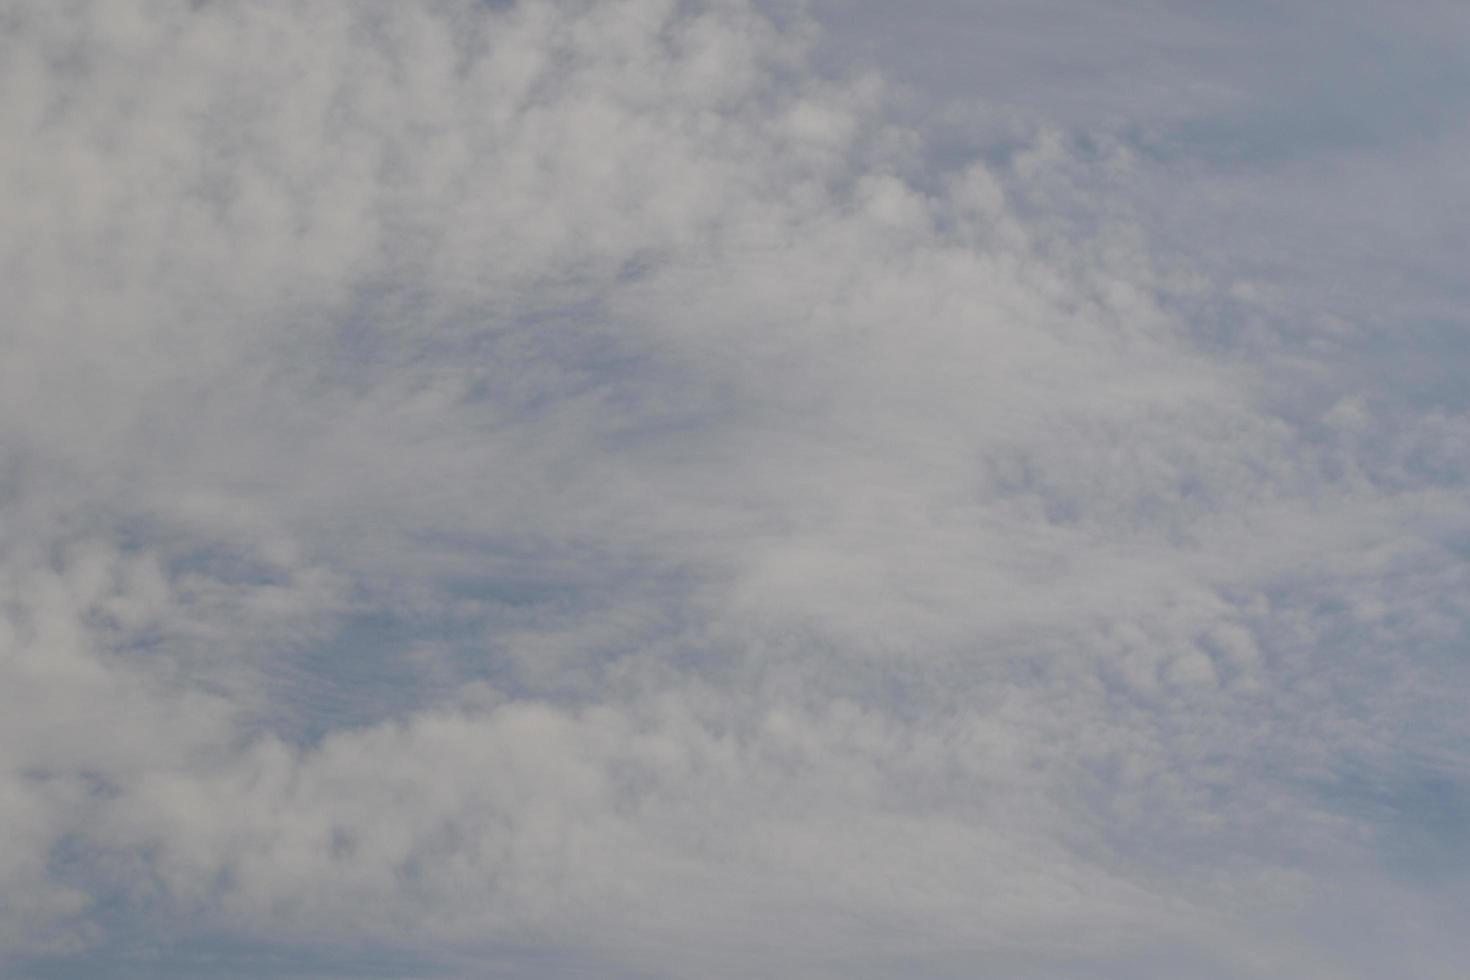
(803, 488)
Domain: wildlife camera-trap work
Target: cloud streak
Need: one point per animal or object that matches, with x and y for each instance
(557, 487)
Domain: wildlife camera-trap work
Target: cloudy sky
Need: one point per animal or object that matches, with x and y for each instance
(661, 489)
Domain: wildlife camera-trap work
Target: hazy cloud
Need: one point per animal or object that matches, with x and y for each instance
(556, 487)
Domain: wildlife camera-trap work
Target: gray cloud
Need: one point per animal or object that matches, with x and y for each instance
(562, 487)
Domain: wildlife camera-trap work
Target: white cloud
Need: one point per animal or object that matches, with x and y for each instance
(547, 477)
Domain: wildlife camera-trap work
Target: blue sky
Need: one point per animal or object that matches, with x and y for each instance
(657, 489)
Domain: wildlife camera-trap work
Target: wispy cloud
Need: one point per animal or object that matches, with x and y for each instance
(558, 487)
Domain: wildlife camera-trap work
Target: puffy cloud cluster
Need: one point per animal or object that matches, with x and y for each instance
(548, 478)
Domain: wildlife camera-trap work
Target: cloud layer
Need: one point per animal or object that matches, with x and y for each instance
(552, 487)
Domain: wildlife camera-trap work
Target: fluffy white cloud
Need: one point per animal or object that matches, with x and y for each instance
(550, 478)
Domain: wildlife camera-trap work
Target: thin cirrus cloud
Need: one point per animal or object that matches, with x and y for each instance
(551, 488)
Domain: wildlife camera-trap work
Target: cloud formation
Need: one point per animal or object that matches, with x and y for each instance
(565, 486)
